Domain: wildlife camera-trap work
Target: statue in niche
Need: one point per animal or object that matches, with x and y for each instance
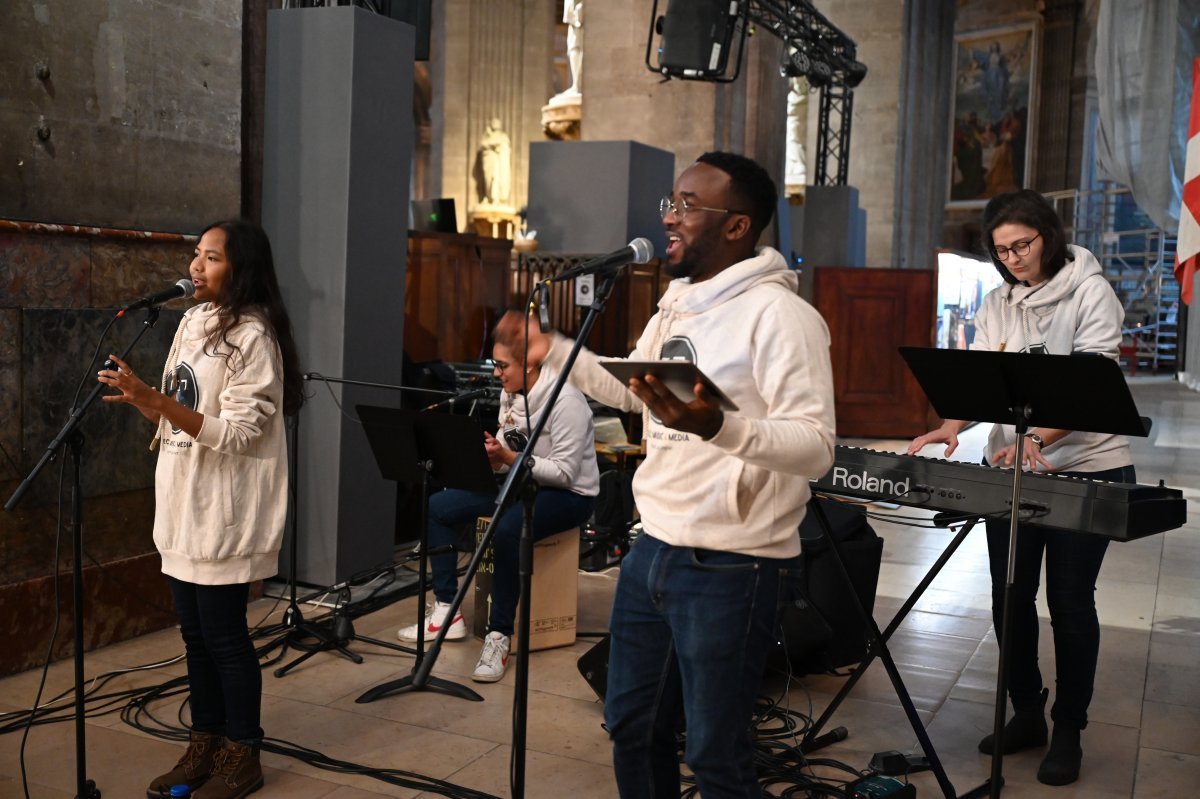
(573, 17)
(495, 165)
(795, 169)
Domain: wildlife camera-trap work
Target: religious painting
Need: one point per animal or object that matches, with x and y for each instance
(995, 85)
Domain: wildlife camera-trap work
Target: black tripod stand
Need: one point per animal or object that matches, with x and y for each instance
(294, 632)
(518, 483)
(413, 447)
(73, 438)
(1025, 391)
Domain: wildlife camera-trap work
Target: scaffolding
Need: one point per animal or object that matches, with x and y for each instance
(1138, 260)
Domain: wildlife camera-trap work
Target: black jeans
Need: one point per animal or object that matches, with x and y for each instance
(1073, 563)
(222, 666)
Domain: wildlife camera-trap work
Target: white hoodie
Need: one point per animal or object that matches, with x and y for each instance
(221, 499)
(565, 453)
(1075, 311)
(744, 490)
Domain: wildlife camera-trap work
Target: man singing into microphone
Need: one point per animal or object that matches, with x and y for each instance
(721, 494)
(564, 467)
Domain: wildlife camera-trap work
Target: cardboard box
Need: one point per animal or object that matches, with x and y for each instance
(555, 590)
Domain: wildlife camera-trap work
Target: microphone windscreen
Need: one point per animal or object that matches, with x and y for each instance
(189, 288)
(643, 250)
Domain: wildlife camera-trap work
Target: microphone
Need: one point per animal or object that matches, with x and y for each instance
(544, 307)
(184, 288)
(638, 251)
(470, 395)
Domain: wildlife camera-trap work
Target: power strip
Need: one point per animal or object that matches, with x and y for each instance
(879, 787)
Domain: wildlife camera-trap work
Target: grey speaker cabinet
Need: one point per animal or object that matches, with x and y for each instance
(338, 142)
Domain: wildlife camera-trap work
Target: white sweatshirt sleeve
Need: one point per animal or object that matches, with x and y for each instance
(593, 379)
(249, 397)
(793, 374)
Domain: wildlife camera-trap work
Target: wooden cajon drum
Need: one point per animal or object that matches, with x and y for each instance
(555, 590)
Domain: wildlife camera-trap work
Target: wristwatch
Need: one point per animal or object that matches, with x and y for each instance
(1035, 438)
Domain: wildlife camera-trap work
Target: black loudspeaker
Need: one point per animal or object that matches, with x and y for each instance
(696, 36)
(593, 665)
(819, 629)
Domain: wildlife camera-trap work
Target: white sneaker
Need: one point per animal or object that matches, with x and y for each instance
(493, 660)
(433, 625)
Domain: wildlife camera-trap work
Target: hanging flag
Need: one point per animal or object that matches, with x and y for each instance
(1187, 248)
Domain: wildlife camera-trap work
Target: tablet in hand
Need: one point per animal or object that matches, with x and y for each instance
(679, 376)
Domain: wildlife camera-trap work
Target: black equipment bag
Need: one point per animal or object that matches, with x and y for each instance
(819, 628)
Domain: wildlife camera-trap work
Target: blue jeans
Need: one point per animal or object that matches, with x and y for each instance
(554, 510)
(223, 670)
(691, 629)
(1073, 563)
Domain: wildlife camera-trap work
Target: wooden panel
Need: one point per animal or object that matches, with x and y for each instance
(871, 313)
(455, 288)
(634, 300)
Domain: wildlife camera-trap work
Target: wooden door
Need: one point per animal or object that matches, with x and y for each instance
(870, 313)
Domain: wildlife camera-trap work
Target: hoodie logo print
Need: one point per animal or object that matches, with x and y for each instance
(676, 348)
(182, 386)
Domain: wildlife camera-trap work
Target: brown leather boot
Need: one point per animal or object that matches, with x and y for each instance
(192, 769)
(236, 773)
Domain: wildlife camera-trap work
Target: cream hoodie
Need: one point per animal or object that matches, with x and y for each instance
(745, 490)
(1075, 311)
(221, 499)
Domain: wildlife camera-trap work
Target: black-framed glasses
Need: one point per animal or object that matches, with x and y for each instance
(500, 366)
(666, 205)
(1018, 247)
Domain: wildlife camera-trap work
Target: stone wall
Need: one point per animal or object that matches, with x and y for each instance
(123, 114)
(116, 118)
(59, 288)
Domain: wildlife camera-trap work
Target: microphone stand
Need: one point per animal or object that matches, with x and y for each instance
(74, 439)
(517, 473)
(295, 630)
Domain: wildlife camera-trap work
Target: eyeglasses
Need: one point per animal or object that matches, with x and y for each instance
(500, 366)
(1018, 247)
(666, 205)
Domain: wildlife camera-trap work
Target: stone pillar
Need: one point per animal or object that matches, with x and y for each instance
(489, 60)
(922, 155)
(1060, 102)
(875, 26)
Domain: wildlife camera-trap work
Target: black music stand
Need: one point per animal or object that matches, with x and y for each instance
(1025, 391)
(413, 447)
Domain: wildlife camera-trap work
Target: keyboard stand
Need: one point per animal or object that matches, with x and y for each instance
(878, 649)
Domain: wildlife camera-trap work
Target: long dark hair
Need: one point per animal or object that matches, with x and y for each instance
(1026, 207)
(252, 289)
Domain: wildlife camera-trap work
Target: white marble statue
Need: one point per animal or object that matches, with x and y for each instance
(795, 169)
(495, 161)
(573, 17)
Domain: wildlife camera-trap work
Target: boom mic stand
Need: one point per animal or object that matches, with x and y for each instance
(517, 474)
(74, 439)
(311, 638)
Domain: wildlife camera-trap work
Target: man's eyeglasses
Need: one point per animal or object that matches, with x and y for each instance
(1018, 247)
(666, 205)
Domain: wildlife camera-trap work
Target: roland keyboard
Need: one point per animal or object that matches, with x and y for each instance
(1120, 511)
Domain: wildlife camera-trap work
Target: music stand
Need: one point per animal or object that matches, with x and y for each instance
(413, 447)
(1023, 390)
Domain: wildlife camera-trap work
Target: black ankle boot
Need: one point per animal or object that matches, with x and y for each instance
(1061, 765)
(1025, 730)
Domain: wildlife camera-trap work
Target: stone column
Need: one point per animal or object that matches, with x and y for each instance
(1060, 102)
(922, 154)
(875, 26)
(490, 60)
